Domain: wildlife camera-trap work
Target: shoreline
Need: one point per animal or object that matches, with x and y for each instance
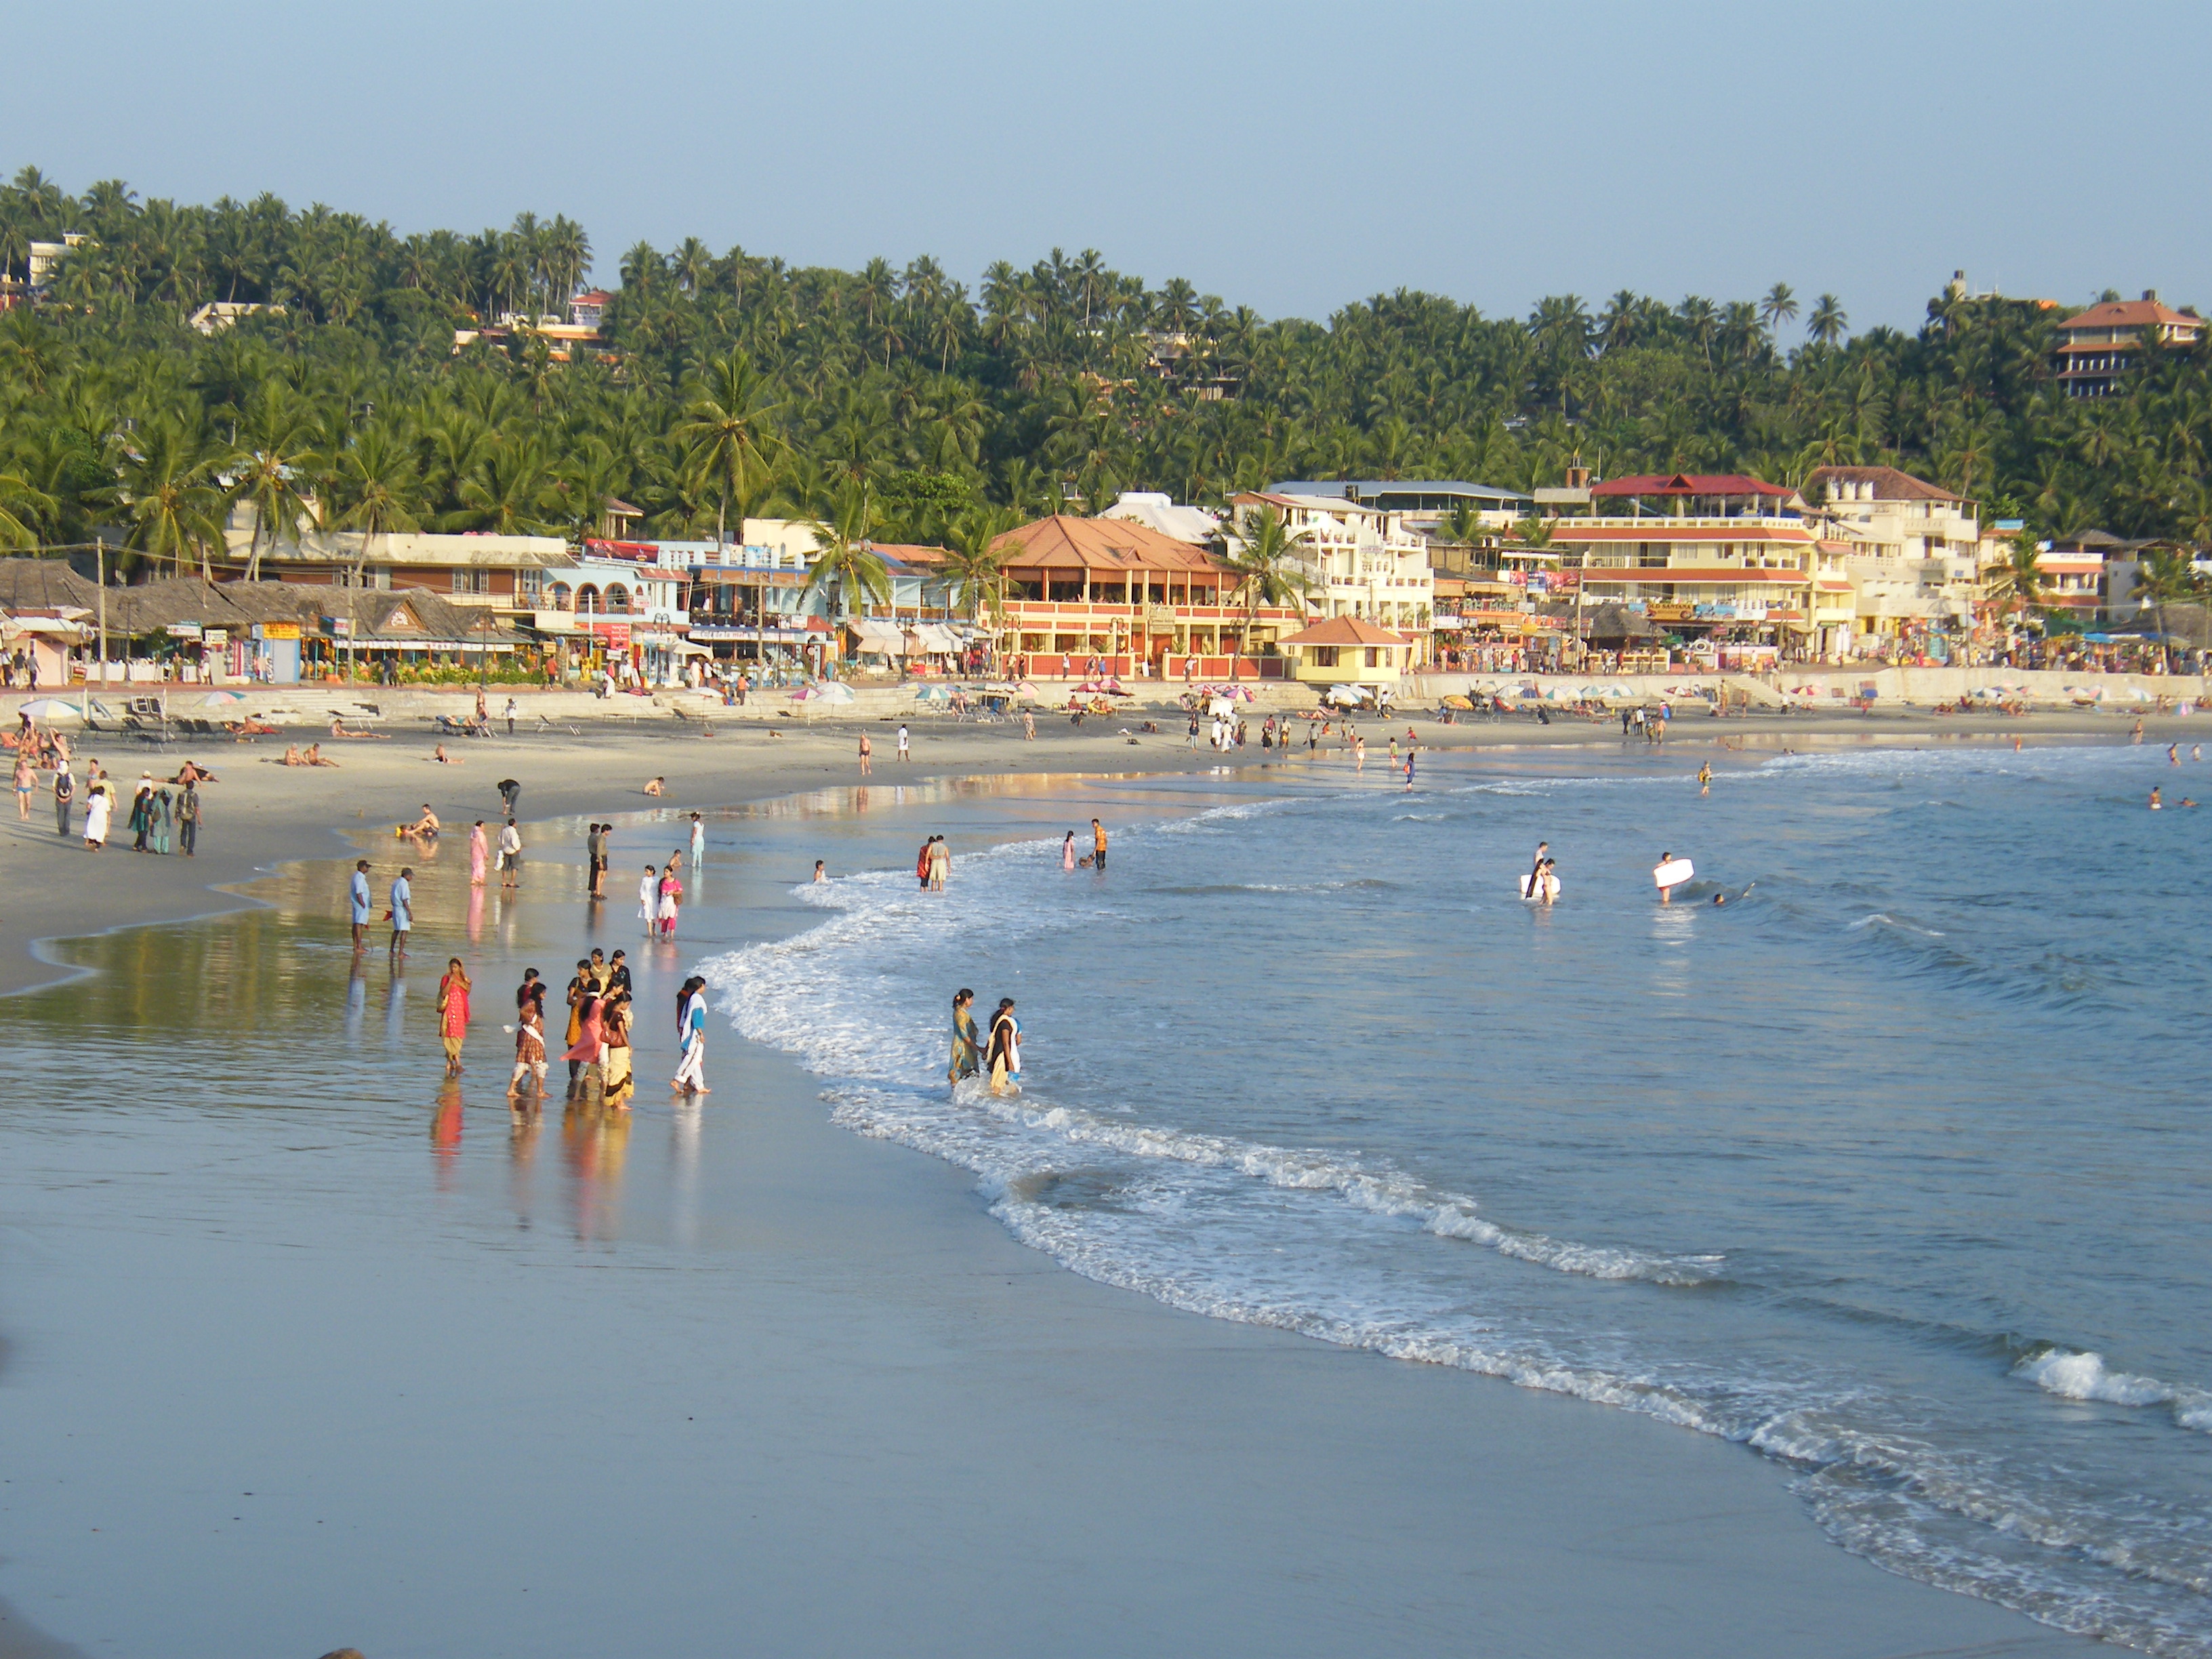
(1063, 1358)
(262, 814)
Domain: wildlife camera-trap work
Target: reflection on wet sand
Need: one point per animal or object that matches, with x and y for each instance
(593, 1139)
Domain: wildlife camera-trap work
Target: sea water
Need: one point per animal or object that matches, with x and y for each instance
(1893, 1169)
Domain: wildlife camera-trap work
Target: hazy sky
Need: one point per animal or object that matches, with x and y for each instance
(1291, 157)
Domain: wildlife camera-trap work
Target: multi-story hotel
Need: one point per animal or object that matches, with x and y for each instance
(1356, 561)
(1912, 558)
(2099, 345)
(1703, 555)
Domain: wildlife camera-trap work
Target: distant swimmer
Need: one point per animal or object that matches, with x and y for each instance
(2173, 754)
(1669, 873)
(2156, 805)
(1536, 865)
(2197, 752)
(2185, 801)
(819, 874)
(1705, 779)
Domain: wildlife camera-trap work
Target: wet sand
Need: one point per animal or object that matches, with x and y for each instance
(890, 1428)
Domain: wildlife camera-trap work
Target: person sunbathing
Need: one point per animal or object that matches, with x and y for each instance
(338, 730)
(292, 756)
(427, 826)
(443, 758)
(312, 755)
(656, 787)
(193, 772)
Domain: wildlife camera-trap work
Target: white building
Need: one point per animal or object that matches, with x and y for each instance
(1360, 560)
(1197, 525)
(1911, 550)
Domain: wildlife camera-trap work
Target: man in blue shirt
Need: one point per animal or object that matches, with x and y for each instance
(403, 912)
(359, 895)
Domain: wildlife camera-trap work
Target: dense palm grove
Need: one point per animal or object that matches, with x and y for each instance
(896, 403)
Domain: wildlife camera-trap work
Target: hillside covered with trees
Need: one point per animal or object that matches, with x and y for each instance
(895, 402)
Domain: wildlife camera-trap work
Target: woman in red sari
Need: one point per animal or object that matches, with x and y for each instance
(453, 1013)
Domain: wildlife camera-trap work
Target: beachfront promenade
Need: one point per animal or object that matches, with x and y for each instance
(1805, 688)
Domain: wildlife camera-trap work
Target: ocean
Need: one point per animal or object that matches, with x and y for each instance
(1891, 1169)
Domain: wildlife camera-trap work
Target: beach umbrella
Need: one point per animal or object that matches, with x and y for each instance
(218, 699)
(833, 692)
(49, 708)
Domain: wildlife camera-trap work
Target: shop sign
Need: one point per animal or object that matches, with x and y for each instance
(184, 630)
(278, 631)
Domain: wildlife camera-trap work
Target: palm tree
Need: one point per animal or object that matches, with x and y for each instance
(1265, 564)
(22, 504)
(973, 563)
(2168, 575)
(844, 556)
(728, 435)
(270, 469)
(1780, 307)
(1828, 321)
(2016, 582)
(375, 488)
(165, 497)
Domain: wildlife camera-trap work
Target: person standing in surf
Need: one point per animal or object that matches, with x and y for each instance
(1004, 1056)
(357, 895)
(1667, 877)
(967, 1048)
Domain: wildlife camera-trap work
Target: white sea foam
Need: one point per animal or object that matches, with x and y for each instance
(1238, 1228)
(2076, 1376)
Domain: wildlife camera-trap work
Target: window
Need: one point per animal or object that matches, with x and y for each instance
(617, 600)
(587, 600)
(1324, 656)
(529, 585)
(472, 581)
(1374, 655)
(561, 596)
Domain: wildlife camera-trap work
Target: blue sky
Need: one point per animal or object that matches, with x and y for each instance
(1292, 157)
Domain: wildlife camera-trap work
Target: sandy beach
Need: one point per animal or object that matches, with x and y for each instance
(927, 1438)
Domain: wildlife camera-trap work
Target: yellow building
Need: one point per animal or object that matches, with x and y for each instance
(1347, 651)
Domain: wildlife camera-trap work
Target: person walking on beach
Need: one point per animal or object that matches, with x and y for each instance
(1409, 769)
(691, 1077)
(698, 840)
(357, 894)
(1097, 845)
(64, 798)
(98, 806)
(529, 1052)
(510, 854)
(867, 749)
(188, 818)
(478, 849)
(967, 1047)
(671, 896)
(648, 899)
(141, 820)
(403, 911)
(27, 780)
(510, 717)
(616, 1080)
(1004, 1057)
(453, 1013)
(164, 816)
(904, 754)
(584, 1054)
(581, 989)
(1067, 852)
(940, 864)
(921, 864)
(595, 856)
(1029, 726)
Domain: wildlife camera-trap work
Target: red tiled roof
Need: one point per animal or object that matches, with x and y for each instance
(1345, 630)
(1889, 484)
(2129, 314)
(1065, 542)
(1689, 483)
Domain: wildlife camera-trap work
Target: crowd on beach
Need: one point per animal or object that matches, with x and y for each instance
(597, 1039)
